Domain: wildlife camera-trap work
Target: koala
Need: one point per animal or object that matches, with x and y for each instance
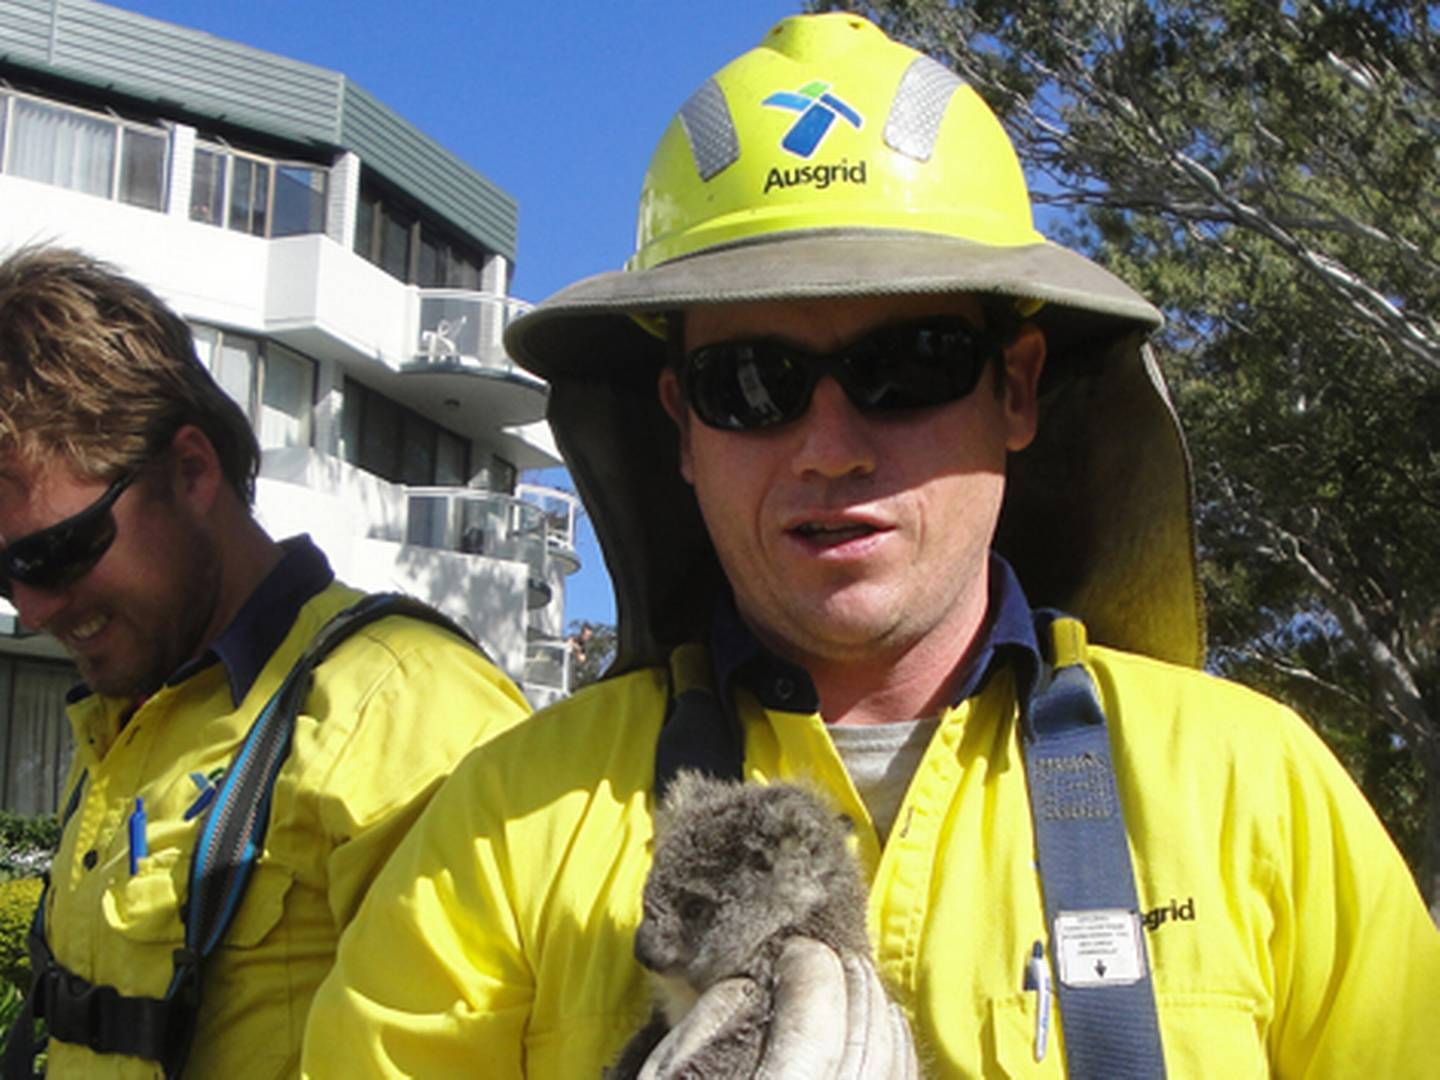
(738, 869)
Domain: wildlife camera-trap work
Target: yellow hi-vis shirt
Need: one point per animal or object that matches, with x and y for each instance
(1287, 936)
(391, 712)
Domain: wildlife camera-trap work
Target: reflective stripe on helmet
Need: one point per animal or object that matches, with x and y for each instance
(710, 130)
(919, 106)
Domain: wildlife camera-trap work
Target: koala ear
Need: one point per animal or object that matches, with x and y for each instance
(688, 791)
(686, 788)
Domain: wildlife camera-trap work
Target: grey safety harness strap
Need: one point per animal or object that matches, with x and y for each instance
(231, 838)
(1107, 997)
(1111, 1028)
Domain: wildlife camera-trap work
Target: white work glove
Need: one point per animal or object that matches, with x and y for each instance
(832, 1021)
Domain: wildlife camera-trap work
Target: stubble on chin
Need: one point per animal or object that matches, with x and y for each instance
(175, 628)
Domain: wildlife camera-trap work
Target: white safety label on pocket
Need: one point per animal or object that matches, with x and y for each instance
(1099, 948)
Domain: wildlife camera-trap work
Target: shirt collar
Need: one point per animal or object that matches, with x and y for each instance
(257, 630)
(1008, 636)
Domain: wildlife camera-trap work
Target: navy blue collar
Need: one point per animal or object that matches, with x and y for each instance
(246, 645)
(1008, 637)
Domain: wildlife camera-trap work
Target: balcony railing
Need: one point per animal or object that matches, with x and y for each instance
(561, 510)
(484, 523)
(547, 665)
(459, 326)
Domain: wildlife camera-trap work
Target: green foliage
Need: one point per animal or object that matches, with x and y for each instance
(27, 844)
(593, 649)
(1268, 174)
(11, 999)
(17, 907)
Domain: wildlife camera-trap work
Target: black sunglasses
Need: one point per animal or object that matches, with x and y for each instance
(747, 385)
(64, 552)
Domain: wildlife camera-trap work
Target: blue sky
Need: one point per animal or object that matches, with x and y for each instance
(558, 103)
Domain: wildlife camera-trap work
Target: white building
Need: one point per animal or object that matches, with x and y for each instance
(346, 278)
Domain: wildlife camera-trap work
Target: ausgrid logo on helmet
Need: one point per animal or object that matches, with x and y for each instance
(899, 143)
(818, 109)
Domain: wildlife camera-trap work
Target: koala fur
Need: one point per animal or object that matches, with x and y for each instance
(738, 869)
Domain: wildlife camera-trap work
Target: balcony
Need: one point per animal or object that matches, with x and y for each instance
(561, 509)
(458, 367)
(547, 672)
(485, 523)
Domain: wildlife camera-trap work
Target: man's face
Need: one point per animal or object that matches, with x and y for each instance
(846, 535)
(139, 612)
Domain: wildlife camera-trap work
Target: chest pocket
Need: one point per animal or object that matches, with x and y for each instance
(145, 906)
(1205, 1035)
(1012, 1035)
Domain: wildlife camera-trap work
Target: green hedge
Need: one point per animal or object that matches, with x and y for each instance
(17, 906)
(27, 844)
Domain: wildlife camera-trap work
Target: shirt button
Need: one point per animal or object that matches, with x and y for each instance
(91, 858)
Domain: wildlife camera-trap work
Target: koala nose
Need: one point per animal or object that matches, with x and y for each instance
(647, 948)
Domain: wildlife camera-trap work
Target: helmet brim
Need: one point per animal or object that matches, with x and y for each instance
(1097, 518)
(1081, 300)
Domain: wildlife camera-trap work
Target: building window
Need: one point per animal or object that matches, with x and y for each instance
(249, 195)
(83, 151)
(275, 386)
(142, 168)
(446, 265)
(383, 437)
(299, 200)
(35, 739)
(413, 248)
(255, 195)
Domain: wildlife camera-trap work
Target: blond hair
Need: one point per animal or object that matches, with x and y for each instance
(97, 372)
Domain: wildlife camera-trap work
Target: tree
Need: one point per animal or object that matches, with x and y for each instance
(1267, 171)
(592, 649)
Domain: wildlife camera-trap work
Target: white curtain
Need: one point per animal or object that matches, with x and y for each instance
(37, 741)
(63, 148)
(233, 366)
(287, 398)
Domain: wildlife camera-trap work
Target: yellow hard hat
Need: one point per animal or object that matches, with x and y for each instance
(830, 124)
(832, 162)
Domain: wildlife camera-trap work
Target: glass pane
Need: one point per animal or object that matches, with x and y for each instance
(242, 183)
(142, 168)
(206, 338)
(394, 244)
(207, 187)
(451, 459)
(365, 228)
(432, 261)
(426, 521)
(450, 327)
(380, 436)
(299, 200)
(259, 212)
(4, 112)
(287, 398)
(234, 370)
(352, 408)
(463, 271)
(482, 527)
(417, 451)
(64, 148)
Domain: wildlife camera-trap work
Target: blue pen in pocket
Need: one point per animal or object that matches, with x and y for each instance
(207, 788)
(138, 849)
(1037, 979)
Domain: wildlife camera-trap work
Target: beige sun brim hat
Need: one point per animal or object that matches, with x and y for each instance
(1097, 518)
